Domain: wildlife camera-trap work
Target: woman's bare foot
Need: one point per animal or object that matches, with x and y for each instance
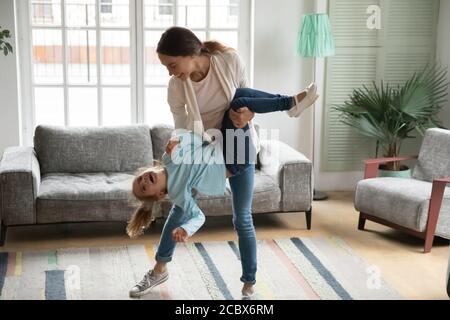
(160, 267)
(248, 290)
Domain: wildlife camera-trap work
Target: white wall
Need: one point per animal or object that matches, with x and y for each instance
(443, 51)
(9, 103)
(278, 68)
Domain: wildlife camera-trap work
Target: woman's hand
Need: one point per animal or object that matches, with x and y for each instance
(241, 117)
(171, 144)
(179, 235)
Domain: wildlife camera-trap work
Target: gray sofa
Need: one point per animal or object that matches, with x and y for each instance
(75, 174)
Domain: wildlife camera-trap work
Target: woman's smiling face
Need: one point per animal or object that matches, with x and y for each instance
(180, 67)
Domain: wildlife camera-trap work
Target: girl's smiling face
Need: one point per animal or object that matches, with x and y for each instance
(150, 183)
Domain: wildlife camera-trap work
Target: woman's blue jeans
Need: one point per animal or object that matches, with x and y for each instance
(242, 197)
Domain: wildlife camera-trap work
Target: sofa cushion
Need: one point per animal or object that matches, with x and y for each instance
(93, 149)
(65, 197)
(266, 198)
(160, 134)
(86, 186)
(402, 201)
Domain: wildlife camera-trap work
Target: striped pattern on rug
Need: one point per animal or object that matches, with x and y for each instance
(295, 268)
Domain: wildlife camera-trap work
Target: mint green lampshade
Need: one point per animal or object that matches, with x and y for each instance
(315, 38)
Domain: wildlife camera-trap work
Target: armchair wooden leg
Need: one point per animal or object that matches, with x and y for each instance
(448, 286)
(428, 242)
(2, 234)
(308, 215)
(437, 194)
(361, 222)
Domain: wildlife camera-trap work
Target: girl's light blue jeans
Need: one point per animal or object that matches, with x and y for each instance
(242, 196)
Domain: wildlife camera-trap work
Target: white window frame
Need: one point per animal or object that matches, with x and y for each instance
(137, 85)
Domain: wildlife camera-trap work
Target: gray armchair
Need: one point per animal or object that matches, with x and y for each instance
(75, 174)
(419, 206)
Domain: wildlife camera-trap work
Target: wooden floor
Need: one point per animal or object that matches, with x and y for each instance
(398, 256)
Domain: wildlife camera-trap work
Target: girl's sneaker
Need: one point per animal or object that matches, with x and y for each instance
(151, 279)
(306, 102)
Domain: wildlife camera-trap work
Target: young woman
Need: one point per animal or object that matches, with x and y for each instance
(205, 77)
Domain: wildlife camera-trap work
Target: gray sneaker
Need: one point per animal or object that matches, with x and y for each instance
(151, 279)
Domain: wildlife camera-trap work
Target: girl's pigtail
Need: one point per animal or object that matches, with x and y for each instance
(140, 220)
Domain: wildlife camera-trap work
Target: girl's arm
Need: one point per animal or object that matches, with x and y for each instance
(196, 217)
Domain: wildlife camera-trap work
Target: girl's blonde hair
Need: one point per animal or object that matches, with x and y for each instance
(142, 216)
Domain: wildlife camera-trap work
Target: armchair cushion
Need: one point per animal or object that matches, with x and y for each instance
(402, 201)
(434, 156)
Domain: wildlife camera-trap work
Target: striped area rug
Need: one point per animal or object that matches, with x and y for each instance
(295, 268)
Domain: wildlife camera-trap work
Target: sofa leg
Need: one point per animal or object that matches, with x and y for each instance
(308, 215)
(361, 222)
(2, 234)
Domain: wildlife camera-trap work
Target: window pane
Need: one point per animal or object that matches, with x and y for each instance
(158, 13)
(47, 56)
(116, 106)
(49, 106)
(46, 12)
(81, 57)
(201, 35)
(224, 13)
(114, 13)
(80, 13)
(116, 57)
(192, 13)
(155, 72)
(157, 110)
(229, 38)
(83, 107)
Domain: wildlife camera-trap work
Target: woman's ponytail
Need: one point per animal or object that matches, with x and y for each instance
(212, 46)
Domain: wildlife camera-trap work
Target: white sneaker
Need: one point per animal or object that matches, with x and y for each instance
(306, 102)
(151, 279)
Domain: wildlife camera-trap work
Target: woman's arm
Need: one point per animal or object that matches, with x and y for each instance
(241, 117)
(171, 144)
(177, 105)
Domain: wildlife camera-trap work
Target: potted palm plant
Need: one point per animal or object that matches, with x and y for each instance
(390, 114)
(4, 45)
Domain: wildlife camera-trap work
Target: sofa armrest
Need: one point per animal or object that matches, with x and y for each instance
(293, 172)
(371, 165)
(20, 178)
